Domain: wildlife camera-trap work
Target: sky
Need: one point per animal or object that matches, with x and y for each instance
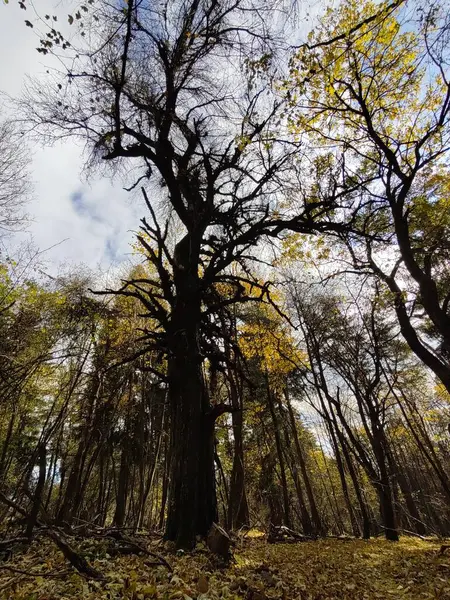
(73, 221)
(78, 221)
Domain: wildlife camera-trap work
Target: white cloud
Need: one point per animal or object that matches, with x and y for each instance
(100, 234)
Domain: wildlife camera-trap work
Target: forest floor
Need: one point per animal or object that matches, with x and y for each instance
(319, 570)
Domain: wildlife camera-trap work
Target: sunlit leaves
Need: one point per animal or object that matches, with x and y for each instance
(376, 78)
(267, 338)
(351, 570)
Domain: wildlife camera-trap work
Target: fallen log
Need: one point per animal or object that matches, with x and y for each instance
(76, 560)
(5, 544)
(281, 533)
(35, 573)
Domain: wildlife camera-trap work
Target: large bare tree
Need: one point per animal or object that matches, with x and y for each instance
(180, 94)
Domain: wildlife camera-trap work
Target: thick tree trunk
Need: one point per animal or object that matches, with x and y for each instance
(192, 494)
(387, 511)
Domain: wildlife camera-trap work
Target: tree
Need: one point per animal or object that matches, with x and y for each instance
(265, 338)
(163, 90)
(378, 101)
(14, 178)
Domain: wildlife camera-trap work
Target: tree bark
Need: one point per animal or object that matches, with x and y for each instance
(237, 504)
(286, 511)
(318, 524)
(33, 517)
(122, 487)
(192, 507)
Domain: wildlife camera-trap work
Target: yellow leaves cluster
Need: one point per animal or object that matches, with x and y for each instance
(430, 208)
(381, 64)
(298, 247)
(268, 339)
(442, 394)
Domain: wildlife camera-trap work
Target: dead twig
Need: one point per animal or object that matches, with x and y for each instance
(35, 573)
(75, 559)
(119, 536)
(17, 540)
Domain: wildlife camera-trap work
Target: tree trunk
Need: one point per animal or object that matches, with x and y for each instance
(151, 476)
(318, 524)
(286, 515)
(404, 484)
(192, 505)
(357, 487)
(192, 494)
(384, 489)
(345, 491)
(237, 503)
(32, 519)
(165, 483)
(6, 442)
(122, 488)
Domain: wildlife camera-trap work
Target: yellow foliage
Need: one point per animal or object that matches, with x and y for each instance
(380, 65)
(268, 339)
(442, 394)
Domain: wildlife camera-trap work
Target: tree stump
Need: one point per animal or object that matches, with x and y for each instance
(218, 541)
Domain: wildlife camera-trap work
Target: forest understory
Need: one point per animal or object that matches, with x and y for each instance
(325, 569)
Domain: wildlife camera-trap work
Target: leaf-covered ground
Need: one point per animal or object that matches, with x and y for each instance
(322, 570)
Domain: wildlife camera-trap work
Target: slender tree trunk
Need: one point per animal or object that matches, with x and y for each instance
(384, 488)
(319, 527)
(122, 488)
(165, 484)
(357, 487)
(415, 423)
(405, 488)
(66, 509)
(345, 491)
(38, 492)
(6, 442)
(276, 431)
(151, 476)
(305, 518)
(237, 501)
